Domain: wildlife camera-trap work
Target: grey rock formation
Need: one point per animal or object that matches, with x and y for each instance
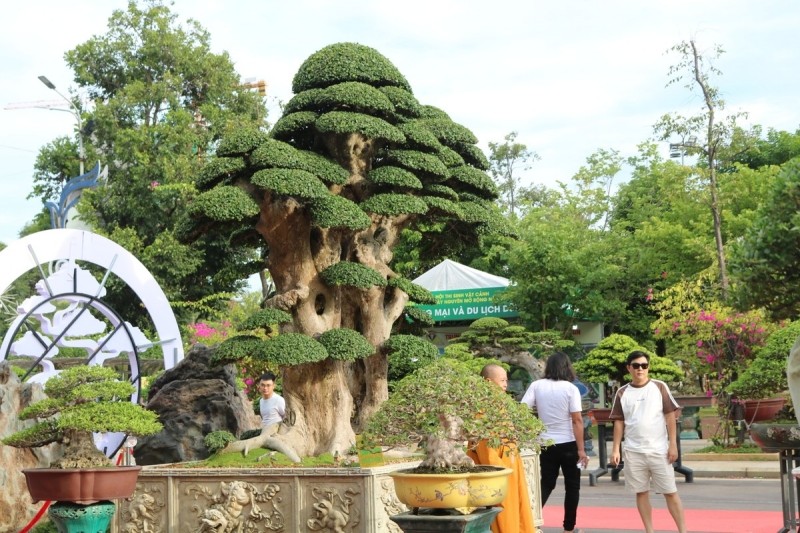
(16, 507)
(192, 400)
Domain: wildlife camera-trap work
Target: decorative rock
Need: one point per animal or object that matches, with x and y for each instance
(16, 506)
(192, 400)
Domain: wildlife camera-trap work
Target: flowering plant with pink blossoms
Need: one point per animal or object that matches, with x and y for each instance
(724, 342)
(211, 333)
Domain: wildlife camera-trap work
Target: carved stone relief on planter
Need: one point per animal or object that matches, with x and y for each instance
(533, 476)
(235, 506)
(334, 510)
(391, 506)
(146, 511)
(279, 500)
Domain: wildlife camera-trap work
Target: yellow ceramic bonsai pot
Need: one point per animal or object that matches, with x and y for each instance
(449, 491)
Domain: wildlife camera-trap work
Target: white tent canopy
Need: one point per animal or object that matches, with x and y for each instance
(463, 293)
(449, 275)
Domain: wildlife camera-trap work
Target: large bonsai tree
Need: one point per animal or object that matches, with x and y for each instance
(353, 161)
(83, 400)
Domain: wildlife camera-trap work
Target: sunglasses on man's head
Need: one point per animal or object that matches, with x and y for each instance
(637, 366)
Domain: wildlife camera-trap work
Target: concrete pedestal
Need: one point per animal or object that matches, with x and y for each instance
(75, 518)
(447, 521)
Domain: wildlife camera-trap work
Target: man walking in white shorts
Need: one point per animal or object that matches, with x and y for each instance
(644, 411)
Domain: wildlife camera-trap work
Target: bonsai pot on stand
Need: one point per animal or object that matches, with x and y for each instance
(443, 497)
(82, 495)
(421, 406)
(85, 400)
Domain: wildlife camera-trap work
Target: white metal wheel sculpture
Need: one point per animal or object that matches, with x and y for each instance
(68, 310)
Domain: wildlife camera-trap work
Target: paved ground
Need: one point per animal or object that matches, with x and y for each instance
(731, 496)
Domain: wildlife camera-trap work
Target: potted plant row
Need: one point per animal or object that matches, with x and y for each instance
(761, 385)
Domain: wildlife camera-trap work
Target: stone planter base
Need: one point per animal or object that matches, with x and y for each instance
(281, 500)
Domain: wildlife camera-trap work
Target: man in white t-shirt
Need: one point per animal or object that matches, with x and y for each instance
(644, 411)
(558, 404)
(272, 406)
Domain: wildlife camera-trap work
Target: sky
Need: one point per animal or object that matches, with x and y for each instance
(570, 77)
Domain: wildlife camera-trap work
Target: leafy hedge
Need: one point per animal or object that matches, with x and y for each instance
(393, 204)
(294, 125)
(265, 319)
(225, 203)
(333, 211)
(349, 274)
(419, 316)
(346, 122)
(416, 293)
(218, 170)
(450, 157)
(394, 177)
(276, 154)
(419, 161)
(290, 182)
(292, 349)
(476, 179)
(237, 348)
(351, 95)
(241, 141)
(343, 62)
(443, 191)
(472, 155)
(418, 136)
(404, 102)
(444, 205)
(345, 344)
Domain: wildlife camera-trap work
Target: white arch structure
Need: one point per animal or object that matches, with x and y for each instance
(56, 245)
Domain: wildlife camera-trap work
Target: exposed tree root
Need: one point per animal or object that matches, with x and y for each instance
(269, 440)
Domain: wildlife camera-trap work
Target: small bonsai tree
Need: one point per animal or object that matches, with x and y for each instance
(83, 400)
(766, 375)
(444, 405)
(606, 362)
(495, 338)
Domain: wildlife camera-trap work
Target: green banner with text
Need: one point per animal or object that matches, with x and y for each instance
(467, 304)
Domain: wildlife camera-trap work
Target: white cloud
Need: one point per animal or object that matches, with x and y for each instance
(570, 77)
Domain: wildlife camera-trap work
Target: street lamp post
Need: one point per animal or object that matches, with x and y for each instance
(680, 149)
(75, 112)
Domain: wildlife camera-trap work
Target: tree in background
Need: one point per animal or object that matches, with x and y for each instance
(564, 267)
(776, 148)
(606, 362)
(764, 262)
(507, 161)
(354, 160)
(161, 102)
(492, 338)
(712, 133)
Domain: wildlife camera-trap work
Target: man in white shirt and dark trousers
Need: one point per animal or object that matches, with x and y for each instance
(558, 404)
(272, 406)
(644, 411)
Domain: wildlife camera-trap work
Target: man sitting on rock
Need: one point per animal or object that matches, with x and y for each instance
(272, 406)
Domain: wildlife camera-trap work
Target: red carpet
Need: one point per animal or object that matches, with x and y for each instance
(697, 520)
